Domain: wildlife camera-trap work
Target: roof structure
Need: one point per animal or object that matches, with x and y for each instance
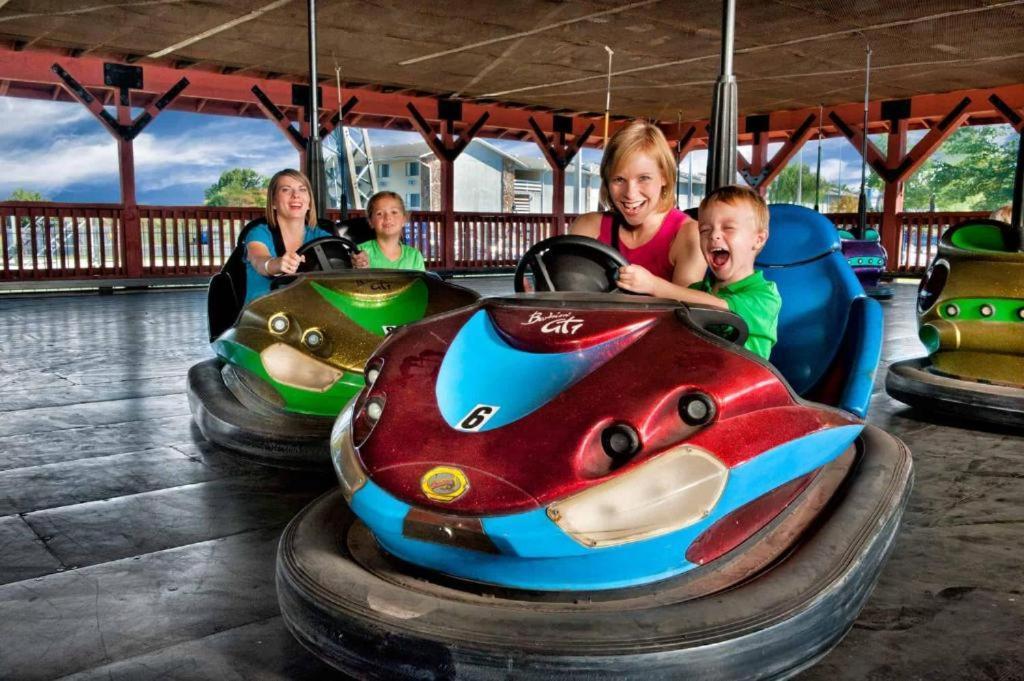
(790, 54)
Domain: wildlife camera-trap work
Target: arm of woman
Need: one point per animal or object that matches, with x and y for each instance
(588, 224)
(688, 258)
(268, 266)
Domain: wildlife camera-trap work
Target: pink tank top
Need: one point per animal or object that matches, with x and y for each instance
(653, 255)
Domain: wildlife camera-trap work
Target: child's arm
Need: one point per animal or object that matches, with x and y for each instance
(638, 279)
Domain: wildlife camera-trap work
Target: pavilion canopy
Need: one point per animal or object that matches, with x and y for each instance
(791, 54)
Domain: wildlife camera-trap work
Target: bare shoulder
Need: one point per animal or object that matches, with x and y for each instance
(588, 224)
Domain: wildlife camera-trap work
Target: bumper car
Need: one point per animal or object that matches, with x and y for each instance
(288, 362)
(602, 485)
(970, 308)
(868, 258)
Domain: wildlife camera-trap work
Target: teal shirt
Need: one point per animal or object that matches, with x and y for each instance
(410, 259)
(256, 284)
(757, 301)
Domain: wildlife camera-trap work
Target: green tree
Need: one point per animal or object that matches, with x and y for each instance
(21, 194)
(238, 187)
(975, 171)
(783, 188)
(972, 170)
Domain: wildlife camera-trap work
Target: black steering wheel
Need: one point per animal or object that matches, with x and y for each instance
(570, 263)
(327, 254)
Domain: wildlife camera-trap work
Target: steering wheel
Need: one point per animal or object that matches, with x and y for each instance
(570, 263)
(327, 254)
(722, 323)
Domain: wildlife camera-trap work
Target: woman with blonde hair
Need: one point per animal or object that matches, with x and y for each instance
(638, 180)
(290, 222)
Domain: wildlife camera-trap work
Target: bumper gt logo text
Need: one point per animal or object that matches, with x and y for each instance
(555, 322)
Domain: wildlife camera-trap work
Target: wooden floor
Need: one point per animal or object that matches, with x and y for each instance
(130, 549)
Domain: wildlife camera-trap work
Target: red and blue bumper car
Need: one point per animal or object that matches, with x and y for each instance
(596, 485)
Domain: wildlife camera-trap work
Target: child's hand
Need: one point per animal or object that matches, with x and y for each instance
(360, 260)
(637, 279)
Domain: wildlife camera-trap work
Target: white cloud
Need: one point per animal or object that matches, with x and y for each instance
(21, 117)
(64, 162)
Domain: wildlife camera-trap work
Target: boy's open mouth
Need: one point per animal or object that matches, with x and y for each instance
(719, 257)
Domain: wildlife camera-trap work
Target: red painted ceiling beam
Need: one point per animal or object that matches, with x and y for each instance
(31, 67)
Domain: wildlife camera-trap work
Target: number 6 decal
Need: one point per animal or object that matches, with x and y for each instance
(477, 417)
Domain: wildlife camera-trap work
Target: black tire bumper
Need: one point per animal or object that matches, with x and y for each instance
(272, 438)
(769, 627)
(910, 381)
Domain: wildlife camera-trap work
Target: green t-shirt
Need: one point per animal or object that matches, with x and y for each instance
(411, 259)
(757, 301)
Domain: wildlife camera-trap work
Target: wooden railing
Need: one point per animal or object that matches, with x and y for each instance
(919, 238)
(56, 241)
(60, 240)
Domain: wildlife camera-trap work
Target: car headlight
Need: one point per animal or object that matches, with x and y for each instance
(293, 367)
(667, 493)
(343, 455)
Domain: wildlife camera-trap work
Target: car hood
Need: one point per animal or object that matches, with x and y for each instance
(551, 375)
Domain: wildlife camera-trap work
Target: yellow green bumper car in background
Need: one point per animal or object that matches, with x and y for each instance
(971, 313)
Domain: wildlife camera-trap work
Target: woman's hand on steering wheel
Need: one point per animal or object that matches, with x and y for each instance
(637, 279)
(289, 263)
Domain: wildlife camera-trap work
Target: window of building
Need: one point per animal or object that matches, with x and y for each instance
(413, 169)
(413, 201)
(383, 170)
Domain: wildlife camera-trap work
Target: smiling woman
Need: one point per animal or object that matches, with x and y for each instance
(638, 179)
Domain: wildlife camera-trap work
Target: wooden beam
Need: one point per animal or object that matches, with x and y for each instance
(856, 136)
(927, 145)
(788, 150)
(1008, 113)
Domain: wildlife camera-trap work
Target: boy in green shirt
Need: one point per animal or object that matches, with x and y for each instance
(387, 216)
(733, 228)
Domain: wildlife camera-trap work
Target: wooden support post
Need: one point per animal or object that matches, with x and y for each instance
(892, 202)
(447, 148)
(559, 154)
(131, 225)
(125, 130)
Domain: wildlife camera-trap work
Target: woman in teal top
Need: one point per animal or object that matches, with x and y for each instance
(387, 216)
(290, 210)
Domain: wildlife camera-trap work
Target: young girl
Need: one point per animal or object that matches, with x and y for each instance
(387, 216)
(638, 179)
(291, 212)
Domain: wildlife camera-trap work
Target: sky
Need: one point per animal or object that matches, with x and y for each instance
(61, 151)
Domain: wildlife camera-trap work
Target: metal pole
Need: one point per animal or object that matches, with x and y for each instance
(315, 170)
(800, 177)
(817, 172)
(722, 142)
(689, 187)
(1017, 216)
(862, 200)
(607, 97)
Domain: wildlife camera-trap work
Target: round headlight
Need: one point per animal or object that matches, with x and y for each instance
(278, 323)
(374, 409)
(952, 310)
(371, 375)
(987, 310)
(313, 338)
(696, 409)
